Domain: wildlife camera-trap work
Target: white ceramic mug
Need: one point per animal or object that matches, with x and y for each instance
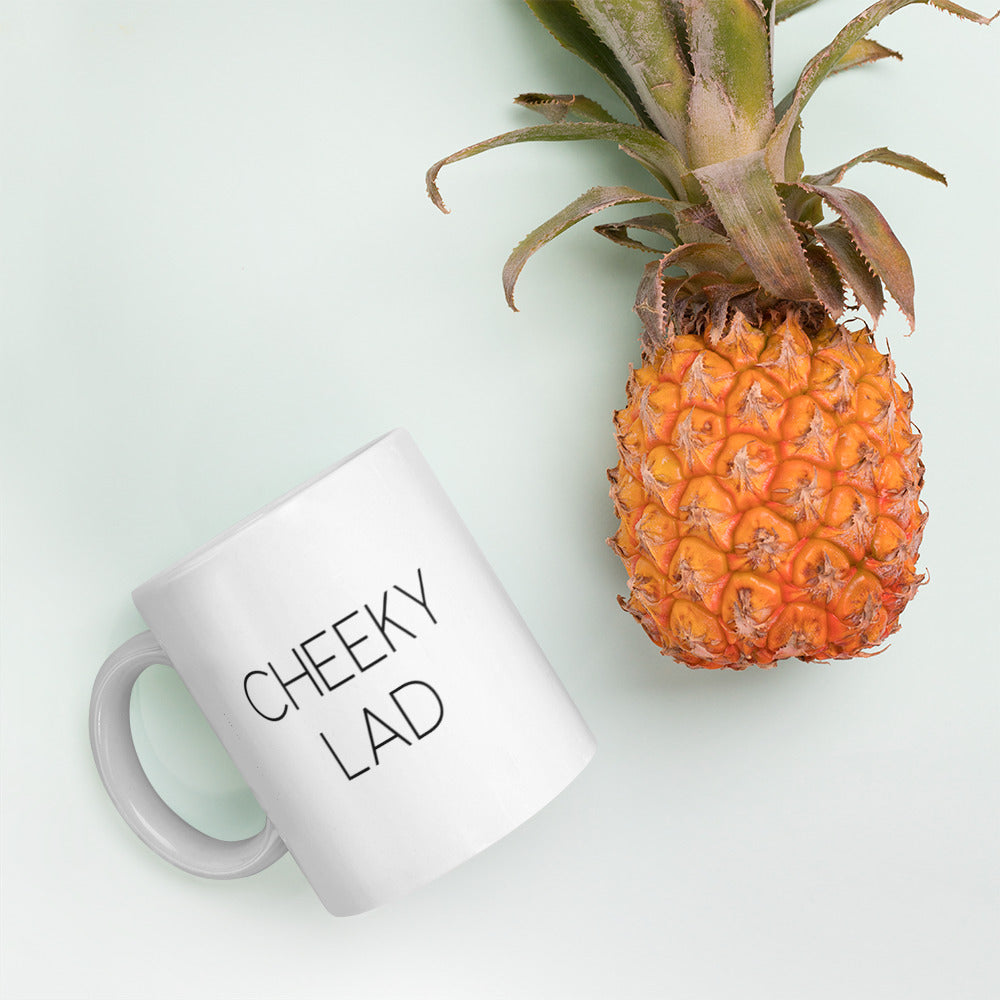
(375, 686)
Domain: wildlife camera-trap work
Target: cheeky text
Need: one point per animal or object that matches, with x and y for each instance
(344, 651)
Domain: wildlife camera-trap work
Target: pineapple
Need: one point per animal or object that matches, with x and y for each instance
(769, 473)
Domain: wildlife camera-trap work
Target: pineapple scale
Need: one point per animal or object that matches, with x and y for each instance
(768, 493)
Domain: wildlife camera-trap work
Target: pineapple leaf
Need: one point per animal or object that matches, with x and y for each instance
(861, 53)
(877, 243)
(673, 10)
(594, 200)
(801, 206)
(699, 223)
(651, 304)
(826, 278)
(730, 109)
(770, 12)
(794, 164)
(721, 298)
(693, 258)
(745, 199)
(853, 268)
(786, 8)
(644, 39)
(652, 151)
(658, 294)
(826, 62)
(569, 27)
(559, 107)
(660, 224)
(880, 155)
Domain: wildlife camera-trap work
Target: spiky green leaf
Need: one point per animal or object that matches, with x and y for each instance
(660, 224)
(801, 206)
(653, 152)
(743, 195)
(643, 38)
(826, 278)
(880, 155)
(716, 280)
(853, 268)
(794, 163)
(700, 224)
(595, 200)
(786, 8)
(877, 243)
(569, 27)
(730, 110)
(694, 258)
(651, 306)
(560, 107)
(826, 61)
(861, 53)
(673, 11)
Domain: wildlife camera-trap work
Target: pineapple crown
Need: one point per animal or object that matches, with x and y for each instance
(746, 224)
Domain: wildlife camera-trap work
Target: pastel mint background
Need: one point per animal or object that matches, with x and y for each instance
(220, 273)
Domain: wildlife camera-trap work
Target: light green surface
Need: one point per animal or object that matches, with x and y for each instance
(220, 273)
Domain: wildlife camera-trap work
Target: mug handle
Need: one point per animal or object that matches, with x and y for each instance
(152, 820)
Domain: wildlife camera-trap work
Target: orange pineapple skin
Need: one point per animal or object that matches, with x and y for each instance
(768, 493)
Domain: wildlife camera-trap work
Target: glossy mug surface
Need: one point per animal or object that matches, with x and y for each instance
(369, 676)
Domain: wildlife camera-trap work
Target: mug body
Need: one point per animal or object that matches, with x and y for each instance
(369, 676)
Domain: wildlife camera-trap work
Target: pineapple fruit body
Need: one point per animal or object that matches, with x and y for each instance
(768, 494)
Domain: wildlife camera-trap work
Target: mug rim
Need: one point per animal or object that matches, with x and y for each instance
(209, 548)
